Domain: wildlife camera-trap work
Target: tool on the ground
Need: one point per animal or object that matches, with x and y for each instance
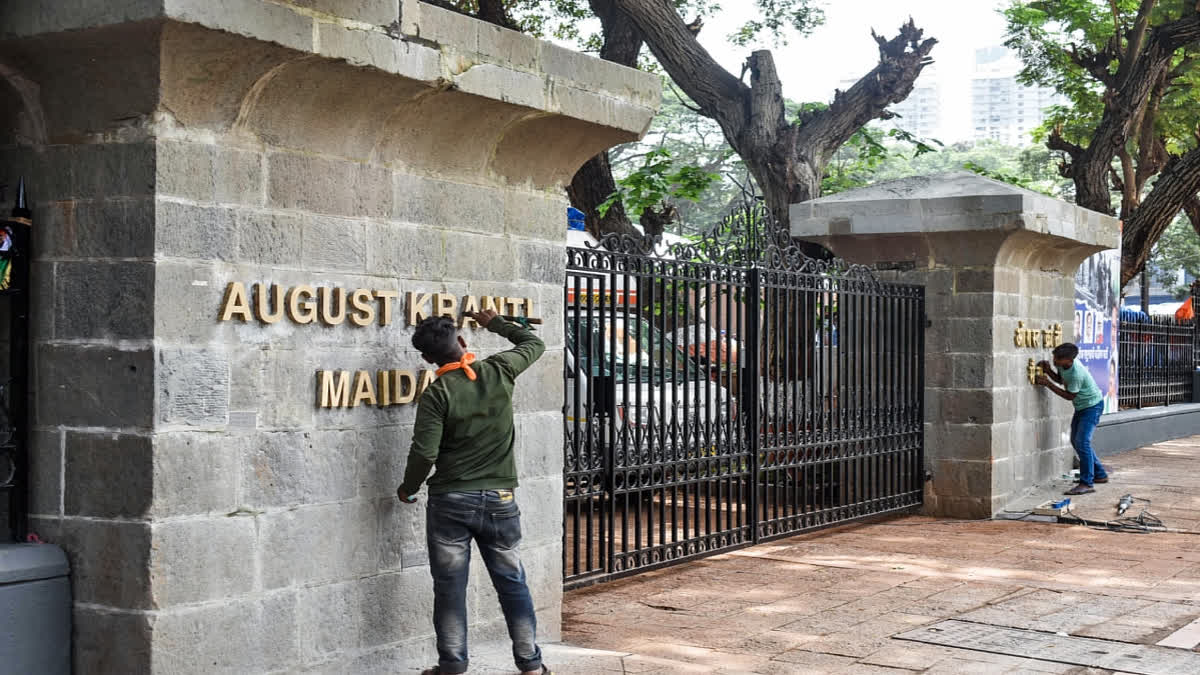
(522, 320)
(1054, 509)
(1124, 504)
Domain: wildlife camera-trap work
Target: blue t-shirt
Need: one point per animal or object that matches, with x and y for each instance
(1079, 381)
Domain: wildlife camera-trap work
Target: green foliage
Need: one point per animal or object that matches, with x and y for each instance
(856, 162)
(656, 182)
(1046, 34)
(1178, 249)
(777, 18)
(569, 20)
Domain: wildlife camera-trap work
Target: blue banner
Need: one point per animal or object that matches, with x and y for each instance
(1097, 316)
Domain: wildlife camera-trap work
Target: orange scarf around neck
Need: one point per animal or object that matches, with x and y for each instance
(463, 365)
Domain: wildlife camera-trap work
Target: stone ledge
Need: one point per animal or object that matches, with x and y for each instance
(424, 43)
(1132, 429)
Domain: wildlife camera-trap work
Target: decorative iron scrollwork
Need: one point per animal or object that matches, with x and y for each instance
(748, 237)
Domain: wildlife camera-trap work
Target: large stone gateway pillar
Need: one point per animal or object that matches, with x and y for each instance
(998, 264)
(318, 173)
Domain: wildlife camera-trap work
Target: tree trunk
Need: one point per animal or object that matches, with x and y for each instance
(1192, 209)
(590, 187)
(593, 183)
(1175, 188)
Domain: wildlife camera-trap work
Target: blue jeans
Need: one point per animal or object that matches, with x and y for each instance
(493, 520)
(1083, 425)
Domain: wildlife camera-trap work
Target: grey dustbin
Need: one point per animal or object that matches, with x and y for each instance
(35, 609)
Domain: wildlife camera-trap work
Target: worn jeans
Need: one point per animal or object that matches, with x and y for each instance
(1083, 425)
(493, 520)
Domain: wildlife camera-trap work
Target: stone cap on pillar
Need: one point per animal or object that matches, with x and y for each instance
(542, 100)
(962, 206)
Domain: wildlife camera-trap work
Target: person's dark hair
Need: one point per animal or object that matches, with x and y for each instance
(437, 338)
(1066, 351)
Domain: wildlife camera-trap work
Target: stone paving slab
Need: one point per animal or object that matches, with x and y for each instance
(1163, 473)
(832, 601)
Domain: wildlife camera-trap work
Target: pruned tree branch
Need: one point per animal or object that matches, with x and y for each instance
(901, 60)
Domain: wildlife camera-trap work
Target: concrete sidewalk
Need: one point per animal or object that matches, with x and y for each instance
(1165, 474)
(833, 601)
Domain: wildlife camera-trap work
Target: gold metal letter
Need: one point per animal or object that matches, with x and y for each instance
(364, 389)
(404, 386)
(445, 304)
(263, 308)
(327, 315)
(384, 388)
(416, 307)
(302, 311)
(470, 306)
(333, 394)
(385, 306)
(364, 312)
(235, 304)
(1018, 334)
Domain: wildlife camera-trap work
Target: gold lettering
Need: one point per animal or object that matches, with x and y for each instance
(298, 311)
(445, 304)
(427, 378)
(404, 386)
(364, 312)
(235, 304)
(529, 308)
(385, 306)
(333, 394)
(263, 308)
(514, 306)
(364, 389)
(417, 303)
(384, 387)
(495, 304)
(470, 306)
(1019, 334)
(1057, 334)
(327, 316)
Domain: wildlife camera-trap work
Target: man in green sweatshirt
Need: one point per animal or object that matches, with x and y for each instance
(465, 429)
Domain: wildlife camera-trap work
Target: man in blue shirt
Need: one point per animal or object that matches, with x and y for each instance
(1078, 387)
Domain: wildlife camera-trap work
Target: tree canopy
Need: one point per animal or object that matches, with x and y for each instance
(1129, 136)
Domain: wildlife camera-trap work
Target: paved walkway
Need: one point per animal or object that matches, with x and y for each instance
(831, 601)
(1167, 474)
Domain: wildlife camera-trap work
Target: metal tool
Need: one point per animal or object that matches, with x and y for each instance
(522, 320)
(1124, 504)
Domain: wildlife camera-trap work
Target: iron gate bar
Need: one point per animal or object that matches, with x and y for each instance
(748, 394)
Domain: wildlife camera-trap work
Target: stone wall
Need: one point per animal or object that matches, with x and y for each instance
(990, 256)
(218, 520)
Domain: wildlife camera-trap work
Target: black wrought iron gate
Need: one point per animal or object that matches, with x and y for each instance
(730, 391)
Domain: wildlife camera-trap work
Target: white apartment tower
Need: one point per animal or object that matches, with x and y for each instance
(1003, 109)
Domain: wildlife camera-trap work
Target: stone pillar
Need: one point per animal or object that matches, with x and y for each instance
(217, 519)
(994, 259)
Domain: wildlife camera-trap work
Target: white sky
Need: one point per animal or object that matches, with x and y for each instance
(842, 48)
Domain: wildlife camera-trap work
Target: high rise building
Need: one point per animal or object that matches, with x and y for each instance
(1003, 109)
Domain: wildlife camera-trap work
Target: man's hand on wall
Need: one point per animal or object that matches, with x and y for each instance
(484, 318)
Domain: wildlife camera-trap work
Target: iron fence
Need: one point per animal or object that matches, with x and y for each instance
(729, 392)
(1157, 357)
